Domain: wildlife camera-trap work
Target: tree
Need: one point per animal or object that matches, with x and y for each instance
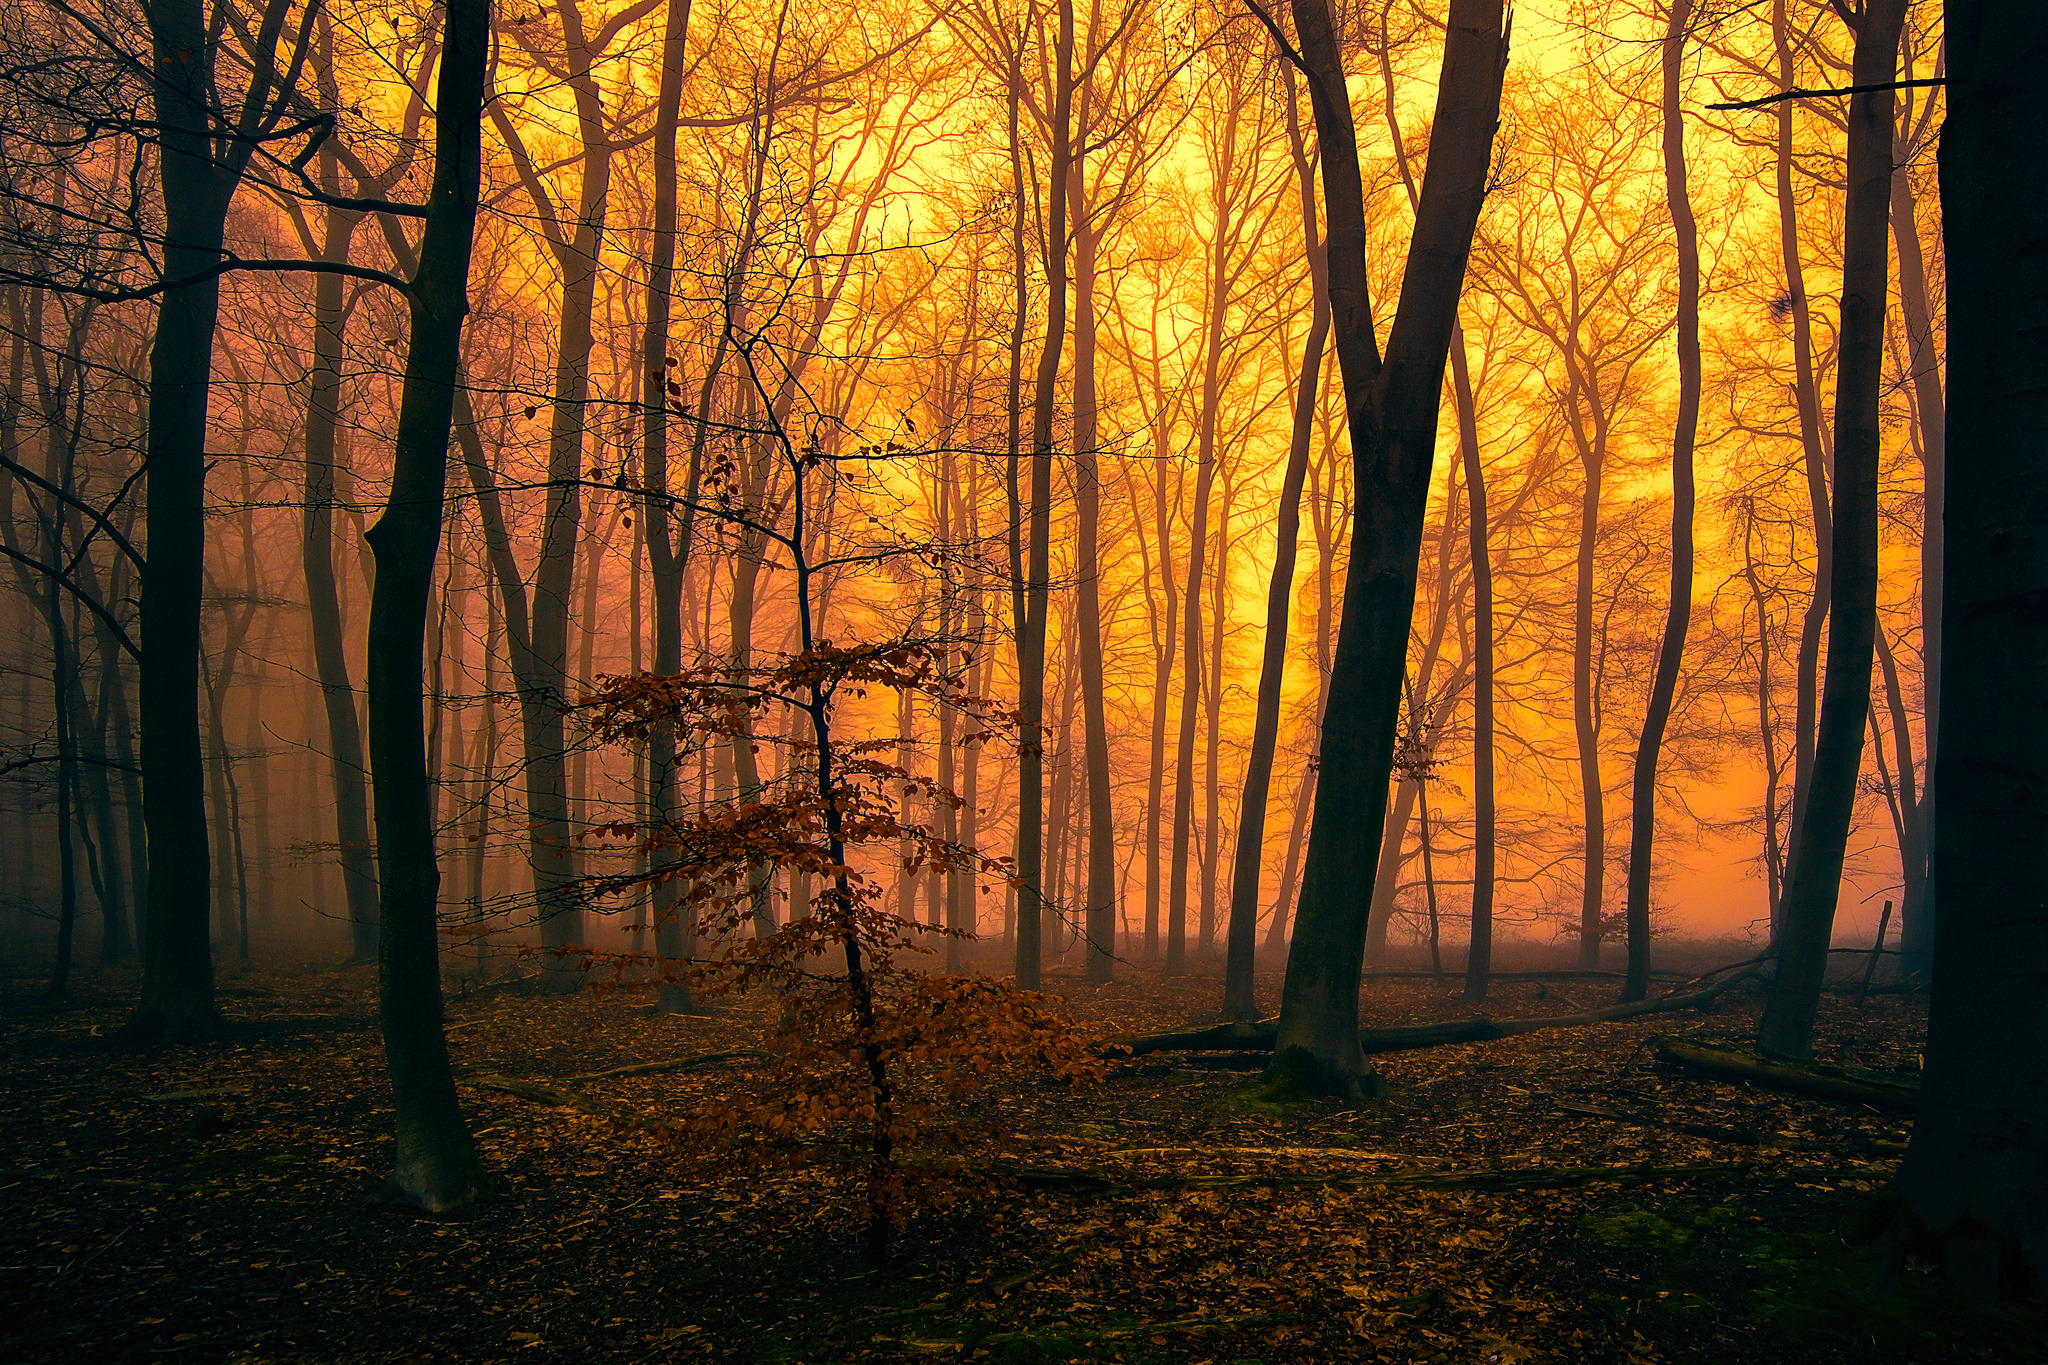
(1971, 1183)
(1239, 1001)
(1678, 615)
(203, 153)
(1392, 408)
(435, 1165)
(1814, 873)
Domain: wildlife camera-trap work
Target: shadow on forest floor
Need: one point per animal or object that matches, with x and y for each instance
(214, 1204)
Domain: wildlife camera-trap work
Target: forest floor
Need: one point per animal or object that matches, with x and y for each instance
(215, 1204)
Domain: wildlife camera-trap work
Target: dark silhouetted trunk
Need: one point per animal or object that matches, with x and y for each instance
(1099, 912)
(1038, 569)
(1972, 1175)
(435, 1165)
(1814, 875)
(199, 173)
(1392, 409)
(1678, 614)
(1239, 998)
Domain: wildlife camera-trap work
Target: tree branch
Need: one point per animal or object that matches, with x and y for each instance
(1784, 95)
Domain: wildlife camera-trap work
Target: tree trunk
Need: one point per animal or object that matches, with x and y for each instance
(1038, 572)
(177, 1001)
(1916, 907)
(1815, 874)
(323, 601)
(435, 1166)
(1099, 906)
(1393, 413)
(1972, 1179)
(1813, 447)
(1192, 635)
(1678, 614)
(1240, 1000)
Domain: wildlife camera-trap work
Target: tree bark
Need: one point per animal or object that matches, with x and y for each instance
(1038, 571)
(1240, 1000)
(435, 1166)
(1393, 414)
(198, 174)
(1678, 613)
(1815, 874)
(1099, 907)
(1974, 1174)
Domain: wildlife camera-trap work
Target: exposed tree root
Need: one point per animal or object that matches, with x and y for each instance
(1259, 1037)
(1805, 1078)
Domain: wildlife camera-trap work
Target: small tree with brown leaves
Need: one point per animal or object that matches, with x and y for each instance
(863, 1038)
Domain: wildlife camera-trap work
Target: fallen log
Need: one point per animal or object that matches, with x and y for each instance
(1741, 1137)
(672, 1064)
(1077, 1181)
(1805, 1078)
(1259, 1037)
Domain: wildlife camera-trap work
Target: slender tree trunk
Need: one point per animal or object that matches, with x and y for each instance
(1813, 446)
(1393, 414)
(1240, 1000)
(1479, 954)
(323, 601)
(1192, 636)
(1678, 615)
(1099, 913)
(1972, 1179)
(1815, 875)
(435, 1166)
(1916, 906)
(1037, 584)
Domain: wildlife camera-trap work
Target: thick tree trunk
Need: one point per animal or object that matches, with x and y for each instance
(1678, 614)
(1974, 1176)
(1815, 874)
(435, 1166)
(1239, 998)
(1393, 415)
(177, 1001)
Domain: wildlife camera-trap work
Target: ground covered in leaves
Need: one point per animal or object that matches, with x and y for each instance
(216, 1204)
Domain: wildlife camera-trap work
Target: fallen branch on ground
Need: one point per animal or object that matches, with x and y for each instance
(1076, 1181)
(673, 1064)
(1742, 1137)
(1259, 1037)
(1805, 1078)
(1322, 1153)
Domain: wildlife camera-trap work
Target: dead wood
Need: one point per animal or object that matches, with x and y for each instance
(1478, 1029)
(1078, 1181)
(1004, 1288)
(1306, 1153)
(1741, 1137)
(1805, 1078)
(672, 1065)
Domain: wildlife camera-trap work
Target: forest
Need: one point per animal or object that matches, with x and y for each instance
(1024, 680)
